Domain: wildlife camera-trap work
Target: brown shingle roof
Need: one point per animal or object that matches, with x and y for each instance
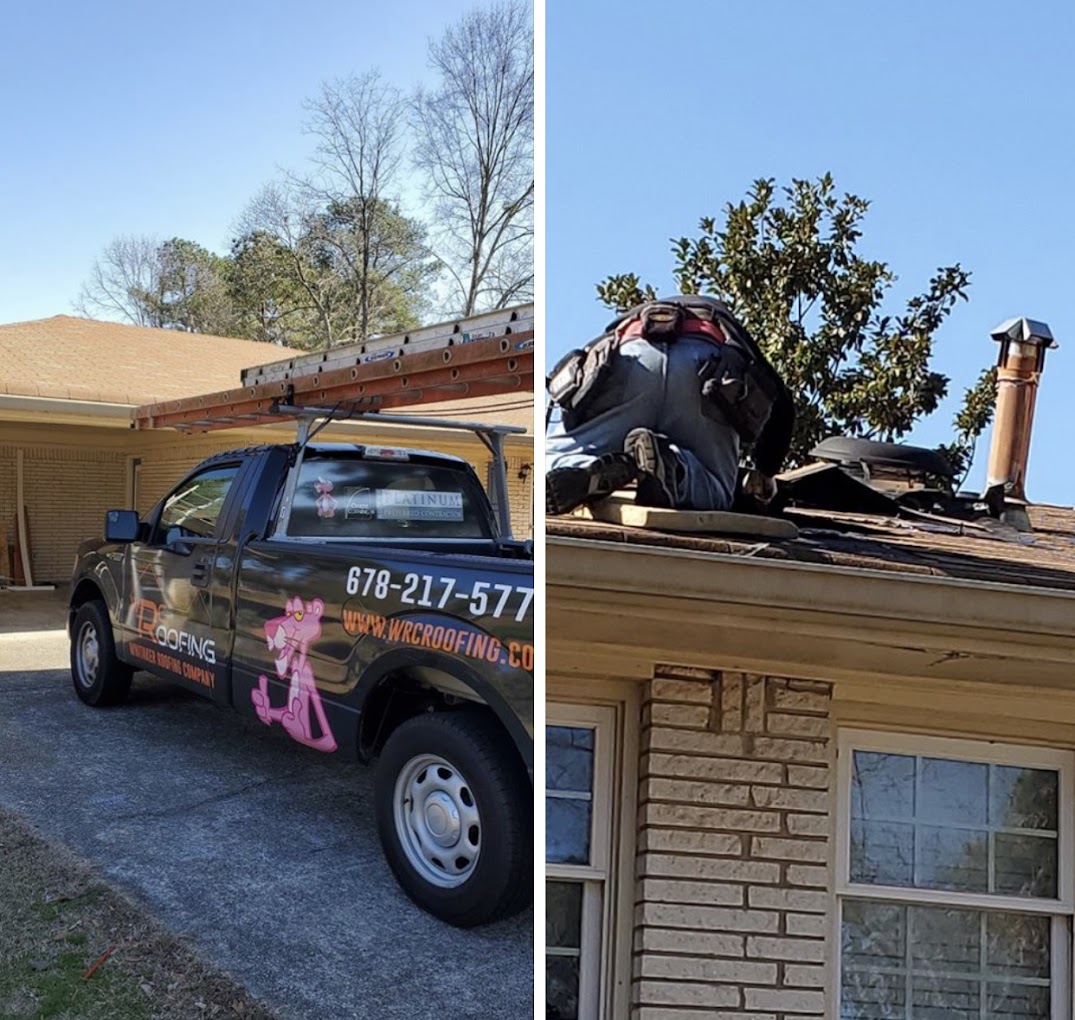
(985, 551)
(84, 359)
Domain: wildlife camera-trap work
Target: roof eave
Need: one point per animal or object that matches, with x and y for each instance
(619, 610)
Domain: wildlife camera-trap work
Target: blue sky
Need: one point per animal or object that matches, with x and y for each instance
(142, 118)
(955, 119)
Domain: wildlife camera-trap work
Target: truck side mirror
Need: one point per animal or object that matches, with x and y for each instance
(121, 526)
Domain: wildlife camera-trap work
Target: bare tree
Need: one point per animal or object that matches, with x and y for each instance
(359, 124)
(123, 280)
(475, 148)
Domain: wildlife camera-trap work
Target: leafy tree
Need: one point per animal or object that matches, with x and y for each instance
(192, 292)
(271, 304)
(788, 267)
(475, 150)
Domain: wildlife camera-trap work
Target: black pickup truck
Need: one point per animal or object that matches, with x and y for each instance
(364, 601)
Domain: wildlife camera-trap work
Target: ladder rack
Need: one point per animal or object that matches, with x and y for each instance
(483, 355)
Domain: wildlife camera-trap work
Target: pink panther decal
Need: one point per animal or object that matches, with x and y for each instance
(326, 503)
(289, 638)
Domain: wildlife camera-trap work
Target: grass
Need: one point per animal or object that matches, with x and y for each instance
(72, 948)
(57, 990)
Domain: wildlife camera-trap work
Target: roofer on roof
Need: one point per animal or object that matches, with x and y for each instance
(668, 396)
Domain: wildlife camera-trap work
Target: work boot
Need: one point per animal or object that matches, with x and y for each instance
(569, 487)
(659, 470)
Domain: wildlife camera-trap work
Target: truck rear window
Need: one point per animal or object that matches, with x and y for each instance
(349, 497)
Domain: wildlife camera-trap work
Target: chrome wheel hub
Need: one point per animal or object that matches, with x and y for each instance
(437, 820)
(89, 655)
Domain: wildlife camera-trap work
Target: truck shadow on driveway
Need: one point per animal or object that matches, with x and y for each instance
(263, 852)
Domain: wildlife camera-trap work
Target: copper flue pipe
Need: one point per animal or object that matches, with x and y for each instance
(1019, 369)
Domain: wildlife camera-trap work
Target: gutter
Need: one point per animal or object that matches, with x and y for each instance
(65, 406)
(120, 415)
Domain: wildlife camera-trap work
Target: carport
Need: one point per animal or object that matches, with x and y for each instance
(68, 387)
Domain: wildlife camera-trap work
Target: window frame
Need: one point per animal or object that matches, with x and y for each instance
(608, 895)
(1061, 908)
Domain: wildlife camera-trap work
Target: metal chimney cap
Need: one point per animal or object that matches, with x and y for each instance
(1029, 331)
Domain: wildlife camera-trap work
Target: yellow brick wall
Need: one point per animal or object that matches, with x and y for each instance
(74, 474)
(66, 491)
(520, 493)
(7, 507)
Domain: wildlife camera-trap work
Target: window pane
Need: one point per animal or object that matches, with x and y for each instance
(952, 962)
(344, 495)
(945, 940)
(941, 998)
(1018, 1002)
(874, 935)
(567, 831)
(882, 853)
(868, 996)
(561, 987)
(1025, 865)
(882, 786)
(952, 859)
(1017, 945)
(1023, 798)
(569, 758)
(563, 914)
(952, 792)
(194, 507)
(934, 823)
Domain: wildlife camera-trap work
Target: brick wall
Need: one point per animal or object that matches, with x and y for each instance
(67, 490)
(7, 508)
(520, 493)
(734, 816)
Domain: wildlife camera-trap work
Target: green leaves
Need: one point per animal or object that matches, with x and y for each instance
(786, 263)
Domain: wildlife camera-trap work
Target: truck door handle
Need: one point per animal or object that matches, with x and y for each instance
(199, 575)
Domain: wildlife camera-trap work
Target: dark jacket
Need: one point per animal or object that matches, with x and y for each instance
(771, 447)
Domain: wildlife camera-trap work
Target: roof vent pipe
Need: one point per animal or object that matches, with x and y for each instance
(1023, 343)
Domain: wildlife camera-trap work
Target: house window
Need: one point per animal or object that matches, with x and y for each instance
(955, 880)
(580, 746)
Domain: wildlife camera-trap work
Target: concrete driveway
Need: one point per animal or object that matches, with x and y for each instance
(263, 852)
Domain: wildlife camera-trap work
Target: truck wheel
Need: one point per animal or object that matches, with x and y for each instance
(100, 678)
(455, 815)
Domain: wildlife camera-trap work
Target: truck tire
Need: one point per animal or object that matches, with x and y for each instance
(99, 677)
(455, 816)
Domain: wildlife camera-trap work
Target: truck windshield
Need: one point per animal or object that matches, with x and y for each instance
(350, 497)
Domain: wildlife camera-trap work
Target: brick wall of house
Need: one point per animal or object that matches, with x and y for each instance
(733, 848)
(7, 508)
(66, 490)
(520, 471)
